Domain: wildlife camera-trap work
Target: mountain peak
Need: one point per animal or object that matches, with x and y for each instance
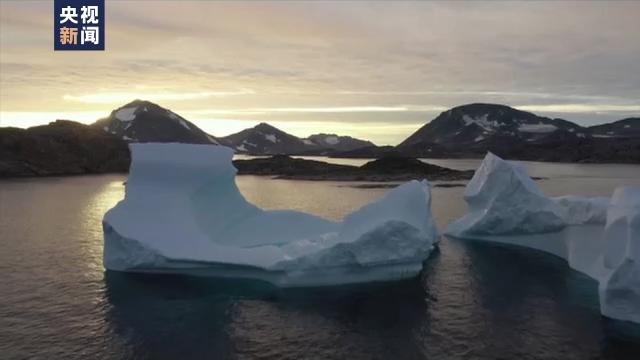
(140, 102)
(145, 121)
(263, 126)
(481, 123)
(492, 110)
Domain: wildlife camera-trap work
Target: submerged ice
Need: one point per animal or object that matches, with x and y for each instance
(182, 213)
(597, 236)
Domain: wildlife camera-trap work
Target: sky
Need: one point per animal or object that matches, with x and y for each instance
(374, 70)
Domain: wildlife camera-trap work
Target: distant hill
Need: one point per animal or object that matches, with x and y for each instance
(468, 131)
(476, 123)
(264, 139)
(144, 121)
(338, 143)
(472, 130)
(624, 128)
(61, 148)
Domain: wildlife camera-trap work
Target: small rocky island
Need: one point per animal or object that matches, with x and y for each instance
(386, 169)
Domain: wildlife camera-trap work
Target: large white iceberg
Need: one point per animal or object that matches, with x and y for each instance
(597, 236)
(182, 213)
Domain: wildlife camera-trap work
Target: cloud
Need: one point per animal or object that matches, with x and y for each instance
(580, 108)
(350, 63)
(123, 97)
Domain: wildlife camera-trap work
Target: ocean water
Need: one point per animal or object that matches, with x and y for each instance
(473, 301)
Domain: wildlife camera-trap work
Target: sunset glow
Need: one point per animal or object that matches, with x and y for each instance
(326, 66)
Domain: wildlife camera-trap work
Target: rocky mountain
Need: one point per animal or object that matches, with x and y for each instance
(264, 139)
(624, 128)
(144, 121)
(61, 148)
(472, 130)
(477, 123)
(337, 143)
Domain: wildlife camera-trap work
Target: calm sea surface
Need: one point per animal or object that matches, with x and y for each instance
(473, 301)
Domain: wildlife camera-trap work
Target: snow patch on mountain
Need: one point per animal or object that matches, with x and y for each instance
(332, 140)
(126, 114)
(213, 140)
(482, 121)
(537, 128)
(172, 115)
(271, 137)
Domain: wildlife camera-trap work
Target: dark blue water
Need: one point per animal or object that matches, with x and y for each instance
(473, 301)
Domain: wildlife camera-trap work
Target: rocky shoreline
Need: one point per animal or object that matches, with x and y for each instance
(68, 148)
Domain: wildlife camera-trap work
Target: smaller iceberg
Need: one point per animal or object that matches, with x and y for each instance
(597, 236)
(183, 213)
(620, 282)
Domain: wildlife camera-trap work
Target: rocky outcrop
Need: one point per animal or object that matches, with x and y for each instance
(60, 148)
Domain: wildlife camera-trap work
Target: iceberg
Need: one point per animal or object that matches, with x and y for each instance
(619, 287)
(596, 236)
(183, 213)
(503, 199)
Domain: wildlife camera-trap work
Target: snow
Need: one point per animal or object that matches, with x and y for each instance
(308, 142)
(106, 128)
(126, 138)
(126, 114)
(537, 128)
(479, 138)
(627, 126)
(241, 148)
(503, 199)
(212, 140)
(271, 137)
(173, 115)
(332, 140)
(596, 236)
(602, 136)
(488, 125)
(183, 213)
(180, 120)
(576, 210)
(246, 142)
